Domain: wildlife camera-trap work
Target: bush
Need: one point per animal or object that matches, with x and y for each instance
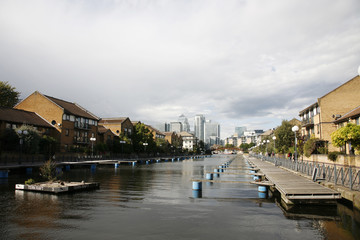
(30, 181)
(48, 171)
(309, 147)
(333, 155)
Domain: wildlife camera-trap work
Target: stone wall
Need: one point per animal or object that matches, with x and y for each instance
(346, 160)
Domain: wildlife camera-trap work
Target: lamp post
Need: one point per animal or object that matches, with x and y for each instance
(295, 129)
(92, 145)
(274, 138)
(145, 144)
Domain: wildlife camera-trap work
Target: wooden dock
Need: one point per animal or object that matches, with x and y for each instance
(295, 189)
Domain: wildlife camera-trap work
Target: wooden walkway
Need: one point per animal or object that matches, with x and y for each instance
(293, 188)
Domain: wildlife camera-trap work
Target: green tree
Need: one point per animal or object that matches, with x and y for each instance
(140, 136)
(284, 137)
(348, 134)
(9, 97)
(30, 140)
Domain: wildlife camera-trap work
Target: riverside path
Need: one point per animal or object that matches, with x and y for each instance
(295, 189)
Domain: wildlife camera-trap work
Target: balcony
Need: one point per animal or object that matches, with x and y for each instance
(81, 140)
(307, 122)
(84, 126)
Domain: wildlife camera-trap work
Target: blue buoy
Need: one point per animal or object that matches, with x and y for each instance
(197, 194)
(262, 189)
(262, 195)
(197, 185)
(93, 167)
(4, 174)
(209, 176)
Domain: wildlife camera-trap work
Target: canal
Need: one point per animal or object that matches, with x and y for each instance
(156, 201)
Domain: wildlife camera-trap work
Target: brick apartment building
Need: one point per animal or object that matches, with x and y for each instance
(318, 119)
(75, 124)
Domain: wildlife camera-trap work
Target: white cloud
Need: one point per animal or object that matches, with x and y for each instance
(238, 62)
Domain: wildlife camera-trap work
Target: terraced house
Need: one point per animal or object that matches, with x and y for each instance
(75, 125)
(320, 118)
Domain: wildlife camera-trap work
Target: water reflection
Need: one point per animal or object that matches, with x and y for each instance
(156, 201)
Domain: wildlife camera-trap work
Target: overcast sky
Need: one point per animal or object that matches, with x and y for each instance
(246, 63)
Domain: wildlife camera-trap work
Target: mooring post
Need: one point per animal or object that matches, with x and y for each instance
(4, 174)
(197, 185)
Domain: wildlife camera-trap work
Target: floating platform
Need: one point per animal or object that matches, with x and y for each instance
(57, 187)
(295, 189)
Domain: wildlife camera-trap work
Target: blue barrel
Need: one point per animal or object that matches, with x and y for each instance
(197, 185)
(263, 189)
(4, 174)
(262, 195)
(197, 194)
(209, 176)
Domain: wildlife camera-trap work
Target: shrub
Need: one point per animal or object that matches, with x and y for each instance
(48, 170)
(333, 155)
(309, 147)
(30, 181)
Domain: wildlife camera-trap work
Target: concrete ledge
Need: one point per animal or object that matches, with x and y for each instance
(346, 193)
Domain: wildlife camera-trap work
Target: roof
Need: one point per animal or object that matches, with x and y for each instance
(23, 117)
(268, 132)
(186, 134)
(353, 113)
(112, 120)
(309, 108)
(73, 108)
(341, 86)
(155, 130)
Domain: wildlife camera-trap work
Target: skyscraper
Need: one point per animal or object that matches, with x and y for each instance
(185, 123)
(176, 127)
(212, 132)
(240, 131)
(199, 125)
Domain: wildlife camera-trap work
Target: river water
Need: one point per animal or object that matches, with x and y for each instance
(156, 201)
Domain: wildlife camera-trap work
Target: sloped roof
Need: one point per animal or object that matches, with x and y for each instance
(186, 134)
(155, 130)
(353, 113)
(117, 120)
(353, 79)
(73, 108)
(23, 117)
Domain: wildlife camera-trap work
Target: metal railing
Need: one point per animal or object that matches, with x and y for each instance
(346, 176)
